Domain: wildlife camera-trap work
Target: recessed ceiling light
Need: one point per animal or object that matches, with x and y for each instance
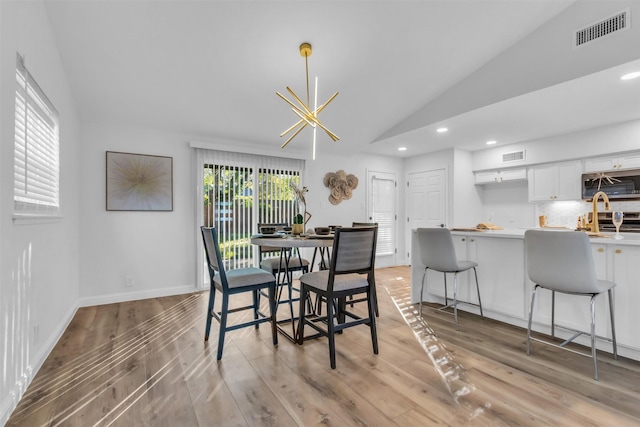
(491, 142)
(442, 130)
(630, 76)
(402, 149)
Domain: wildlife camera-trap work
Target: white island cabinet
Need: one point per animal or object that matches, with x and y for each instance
(506, 290)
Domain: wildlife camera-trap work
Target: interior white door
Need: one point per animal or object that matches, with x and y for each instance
(381, 209)
(426, 201)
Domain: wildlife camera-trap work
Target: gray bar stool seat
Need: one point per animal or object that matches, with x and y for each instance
(562, 261)
(438, 253)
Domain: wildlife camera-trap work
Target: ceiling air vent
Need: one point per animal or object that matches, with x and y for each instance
(617, 22)
(514, 156)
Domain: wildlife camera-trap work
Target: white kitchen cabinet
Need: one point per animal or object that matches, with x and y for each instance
(602, 164)
(496, 176)
(624, 262)
(557, 181)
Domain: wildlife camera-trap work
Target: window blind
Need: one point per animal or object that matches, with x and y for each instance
(383, 214)
(36, 152)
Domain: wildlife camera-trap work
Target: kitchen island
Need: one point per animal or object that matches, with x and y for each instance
(506, 290)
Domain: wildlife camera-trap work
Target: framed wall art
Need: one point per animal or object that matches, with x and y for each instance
(139, 182)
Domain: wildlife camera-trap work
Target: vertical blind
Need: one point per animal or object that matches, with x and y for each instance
(36, 152)
(240, 191)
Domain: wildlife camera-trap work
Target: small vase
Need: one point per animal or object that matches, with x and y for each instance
(297, 229)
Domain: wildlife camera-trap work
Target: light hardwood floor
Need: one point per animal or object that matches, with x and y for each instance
(144, 363)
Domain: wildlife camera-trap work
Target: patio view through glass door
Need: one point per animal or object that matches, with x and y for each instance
(237, 198)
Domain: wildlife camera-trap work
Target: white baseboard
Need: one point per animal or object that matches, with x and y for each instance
(134, 296)
(9, 403)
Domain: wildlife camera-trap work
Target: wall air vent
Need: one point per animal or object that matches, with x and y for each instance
(515, 156)
(617, 22)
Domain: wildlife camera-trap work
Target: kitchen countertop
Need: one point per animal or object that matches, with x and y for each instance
(630, 239)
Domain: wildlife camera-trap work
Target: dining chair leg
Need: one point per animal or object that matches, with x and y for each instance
(533, 301)
(372, 322)
(301, 319)
(272, 313)
(212, 304)
(223, 324)
(455, 298)
(613, 324)
(374, 292)
(256, 307)
(594, 352)
(331, 334)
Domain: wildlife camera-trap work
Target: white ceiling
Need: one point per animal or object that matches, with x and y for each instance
(210, 69)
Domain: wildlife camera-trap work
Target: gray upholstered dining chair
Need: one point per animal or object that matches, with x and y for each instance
(232, 282)
(352, 272)
(438, 253)
(562, 261)
(373, 289)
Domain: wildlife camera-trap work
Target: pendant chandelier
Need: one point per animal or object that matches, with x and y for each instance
(307, 115)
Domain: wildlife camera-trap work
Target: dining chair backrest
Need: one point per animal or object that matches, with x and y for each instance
(436, 249)
(364, 224)
(214, 258)
(354, 250)
(561, 261)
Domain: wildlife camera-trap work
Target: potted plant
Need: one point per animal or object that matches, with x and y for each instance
(298, 225)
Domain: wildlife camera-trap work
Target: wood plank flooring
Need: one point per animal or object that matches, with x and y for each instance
(144, 363)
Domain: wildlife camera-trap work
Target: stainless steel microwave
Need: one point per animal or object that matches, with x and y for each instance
(618, 185)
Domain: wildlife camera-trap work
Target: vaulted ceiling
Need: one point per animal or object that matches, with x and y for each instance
(210, 70)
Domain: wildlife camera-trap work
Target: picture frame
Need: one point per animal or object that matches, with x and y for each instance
(138, 182)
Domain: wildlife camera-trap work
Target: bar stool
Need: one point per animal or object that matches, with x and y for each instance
(562, 261)
(438, 253)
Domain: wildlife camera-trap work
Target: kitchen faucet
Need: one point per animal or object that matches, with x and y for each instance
(595, 227)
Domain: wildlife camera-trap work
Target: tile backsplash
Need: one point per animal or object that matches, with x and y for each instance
(565, 213)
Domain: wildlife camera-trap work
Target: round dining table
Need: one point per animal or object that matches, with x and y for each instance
(286, 242)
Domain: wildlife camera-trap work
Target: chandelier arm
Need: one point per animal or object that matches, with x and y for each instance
(307, 109)
(304, 125)
(298, 123)
(306, 118)
(320, 108)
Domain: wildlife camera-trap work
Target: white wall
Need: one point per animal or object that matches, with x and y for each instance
(39, 260)
(156, 249)
(354, 209)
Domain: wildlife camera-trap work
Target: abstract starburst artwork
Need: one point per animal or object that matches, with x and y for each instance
(139, 182)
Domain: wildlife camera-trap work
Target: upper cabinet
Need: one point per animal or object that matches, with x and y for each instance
(489, 177)
(601, 164)
(557, 181)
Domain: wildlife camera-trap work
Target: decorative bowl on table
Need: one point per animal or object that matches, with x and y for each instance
(322, 231)
(267, 230)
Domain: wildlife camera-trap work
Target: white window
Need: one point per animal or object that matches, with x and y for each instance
(36, 155)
